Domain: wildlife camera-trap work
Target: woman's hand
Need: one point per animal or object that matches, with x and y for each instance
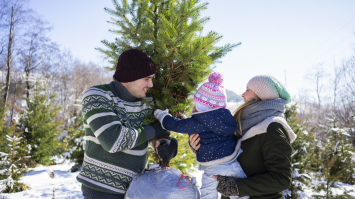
(227, 185)
(195, 141)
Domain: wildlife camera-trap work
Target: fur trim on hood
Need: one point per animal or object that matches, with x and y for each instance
(262, 128)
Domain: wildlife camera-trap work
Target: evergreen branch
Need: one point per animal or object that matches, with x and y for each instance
(184, 62)
(174, 50)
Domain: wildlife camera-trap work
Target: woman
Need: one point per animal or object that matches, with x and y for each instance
(265, 141)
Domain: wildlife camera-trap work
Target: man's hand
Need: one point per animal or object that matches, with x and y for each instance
(166, 148)
(159, 131)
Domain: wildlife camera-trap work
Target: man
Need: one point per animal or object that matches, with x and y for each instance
(116, 139)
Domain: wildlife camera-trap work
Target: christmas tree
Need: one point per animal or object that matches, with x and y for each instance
(4, 129)
(335, 160)
(300, 158)
(74, 140)
(170, 31)
(13, 162)
(40, 127)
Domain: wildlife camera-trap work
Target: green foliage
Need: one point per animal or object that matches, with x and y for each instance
(13, 161)
(170, 31)
(40, 128)
(185, 159)
(75, 139)
(4, 129)
(300, 158)
(335, 159)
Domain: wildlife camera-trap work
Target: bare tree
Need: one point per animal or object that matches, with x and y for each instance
(316, 76)
(335, 84)
(37, 50)
(348, 80)
(15, 15)
(71, 78)
(62, 83)
(349, 76)
(86, 75)
(3, 8)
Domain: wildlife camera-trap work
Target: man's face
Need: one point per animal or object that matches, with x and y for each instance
(139, 87)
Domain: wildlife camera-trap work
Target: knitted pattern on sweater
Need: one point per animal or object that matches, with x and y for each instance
(116, 144)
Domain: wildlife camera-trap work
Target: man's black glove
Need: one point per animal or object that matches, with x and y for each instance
(227, 186)
(167, 148)
(159, 131)
(155, 131)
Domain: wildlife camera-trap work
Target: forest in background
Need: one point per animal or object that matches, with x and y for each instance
(40, 115)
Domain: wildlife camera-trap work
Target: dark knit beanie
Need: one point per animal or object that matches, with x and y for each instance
(134, 64)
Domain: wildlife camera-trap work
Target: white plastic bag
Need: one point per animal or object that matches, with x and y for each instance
(160, 183)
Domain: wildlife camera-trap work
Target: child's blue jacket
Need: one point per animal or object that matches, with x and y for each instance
(215, 128)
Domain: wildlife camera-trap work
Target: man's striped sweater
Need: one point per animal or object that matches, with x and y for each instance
(116, 141)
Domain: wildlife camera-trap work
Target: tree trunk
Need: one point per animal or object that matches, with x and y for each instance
(27, 84)
(9, 56)
(13, 102)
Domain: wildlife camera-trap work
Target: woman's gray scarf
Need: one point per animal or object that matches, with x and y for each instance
(257, 112)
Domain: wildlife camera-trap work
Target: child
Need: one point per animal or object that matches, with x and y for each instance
(215, 126)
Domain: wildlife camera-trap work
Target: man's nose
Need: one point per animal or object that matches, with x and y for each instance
(150, 83)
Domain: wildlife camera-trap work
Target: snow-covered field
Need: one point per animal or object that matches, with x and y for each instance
(66, 186)
(42, 185)
(64, 182)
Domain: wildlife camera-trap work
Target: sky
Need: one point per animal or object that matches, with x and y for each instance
(280, 37)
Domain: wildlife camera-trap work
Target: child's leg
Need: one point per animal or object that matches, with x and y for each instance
(236, 170)
(209, 185)
(233, 169)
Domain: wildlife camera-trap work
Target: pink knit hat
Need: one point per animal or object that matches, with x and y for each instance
(211, 94)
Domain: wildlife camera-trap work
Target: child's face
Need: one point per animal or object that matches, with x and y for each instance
(248, 95)
(194, 110)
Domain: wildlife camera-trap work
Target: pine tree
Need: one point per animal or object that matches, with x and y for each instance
(4, 129)
(185, 159)
(13, 163)
(300, 157)
(335, 160)
(75, 140)
(40, 128)
(170, 31)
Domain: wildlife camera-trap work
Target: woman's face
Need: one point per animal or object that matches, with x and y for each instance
(248, 95)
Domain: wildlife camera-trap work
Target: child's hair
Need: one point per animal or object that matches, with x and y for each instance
(238, 113)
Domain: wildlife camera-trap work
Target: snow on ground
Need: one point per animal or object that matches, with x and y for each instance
(67, 187)
(65, 184)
